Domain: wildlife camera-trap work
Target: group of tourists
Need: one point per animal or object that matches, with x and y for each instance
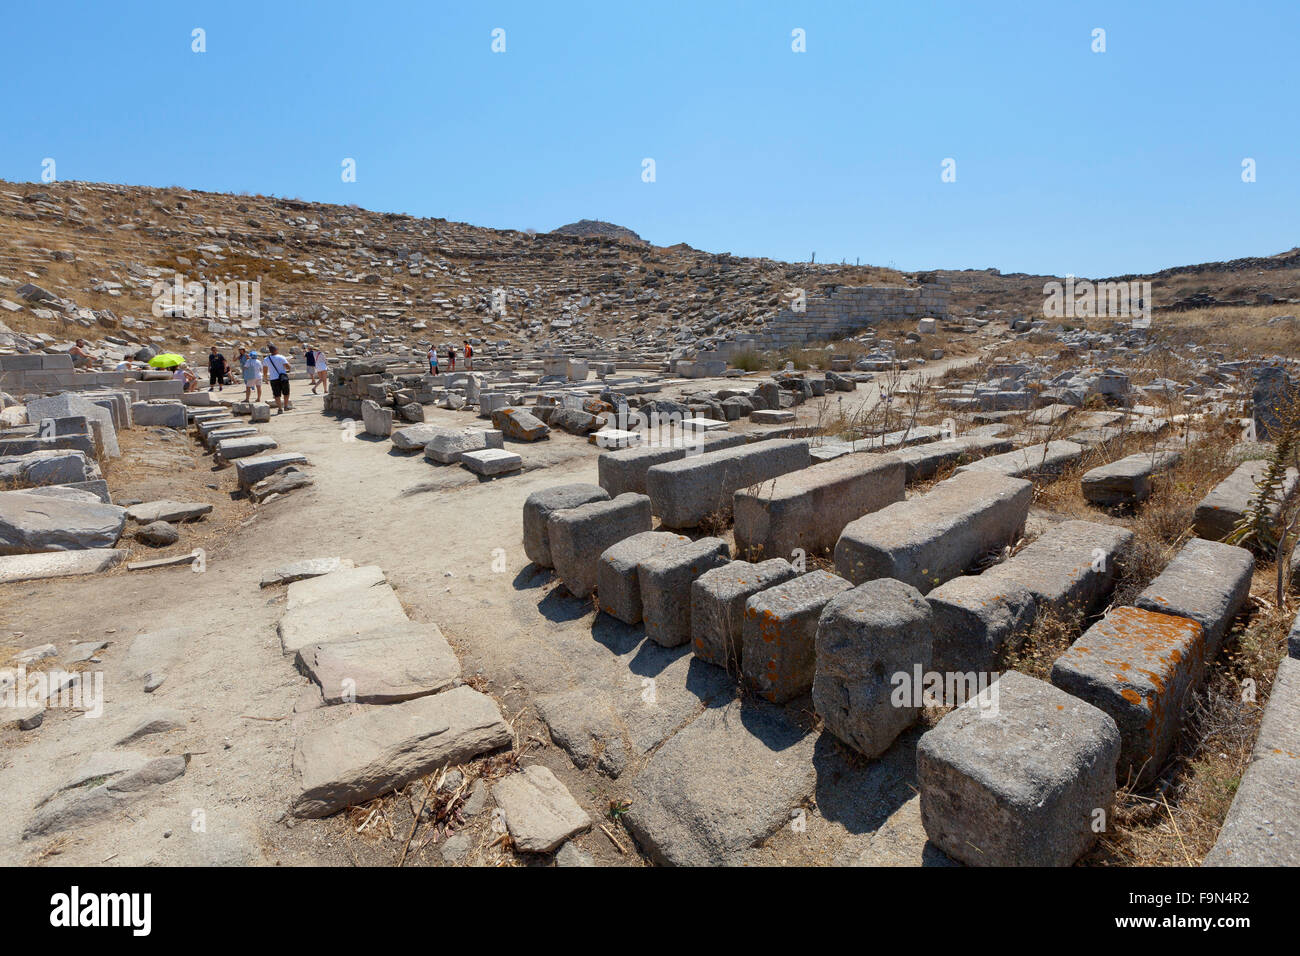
(272, 367)
(451, 357)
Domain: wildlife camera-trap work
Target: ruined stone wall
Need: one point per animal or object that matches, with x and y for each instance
(847, 310)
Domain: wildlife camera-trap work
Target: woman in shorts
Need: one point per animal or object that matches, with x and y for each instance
(322, 373)
(251, 366)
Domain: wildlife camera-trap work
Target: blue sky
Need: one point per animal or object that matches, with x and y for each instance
(1066, 160)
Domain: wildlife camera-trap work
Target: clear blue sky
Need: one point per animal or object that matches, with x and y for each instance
(1066, 160)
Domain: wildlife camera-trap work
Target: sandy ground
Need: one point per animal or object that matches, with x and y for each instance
(451, 545)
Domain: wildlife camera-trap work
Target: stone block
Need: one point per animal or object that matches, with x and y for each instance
(665, 579)
(1017, 775)
(686, 492)
(778, 651)
(871, 641)
(1206, 581)
(718, 606)
(538, 508)
(617, 580)
(579, 536)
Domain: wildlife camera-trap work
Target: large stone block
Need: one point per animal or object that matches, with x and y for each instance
(1140, 667)
(924, 461)
(1206, 581)
(34, 523)
(871, 640)
(978, 619)
(778, 651)
(718, 606)
(166, 414)
(625, 470)
(449, 444)
(382, 667)
(519, 425)
(376, 420)
(1127, 481)
(617, 580)
(1017, 775)
(538, 508)
(934, 537)
(685, 492)
(249, 471)
(807, 509)
(665, 579)
(579, 536)
(1263, 824)
(1033, 461)
(1220, 510)
(47, 468)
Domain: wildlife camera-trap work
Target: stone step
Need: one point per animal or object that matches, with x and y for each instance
(383, 748)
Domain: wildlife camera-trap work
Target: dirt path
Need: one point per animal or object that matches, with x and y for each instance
(451, 546)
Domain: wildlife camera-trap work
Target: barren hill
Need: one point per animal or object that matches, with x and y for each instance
(597, 227)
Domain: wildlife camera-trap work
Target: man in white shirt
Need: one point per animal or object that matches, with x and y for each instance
(277, 373)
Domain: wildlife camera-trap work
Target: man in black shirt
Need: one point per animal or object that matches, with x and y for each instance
(216, 369)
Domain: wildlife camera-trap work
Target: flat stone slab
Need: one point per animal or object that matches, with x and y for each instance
(1015, 776)
(249, 471)
(931, 538)
(721, 786)
(383, 748)
(31, 523)
(382, 667)
(771, 416)
(1128, 480)
(165, 510)
(58, 564)
(106, 784)
(1263, 824)
(1220, 510)
(779, 637)
(704, 425)
(1206, 581)
(339, 581)
(685, 492)
(519, 425)
(1033, 461)
(301, 570)
(491, 461)
(1140, 667)
(47, 468)
(540, 812)
(807, 509)
(615, 438)
(342, 617)
(232, 448)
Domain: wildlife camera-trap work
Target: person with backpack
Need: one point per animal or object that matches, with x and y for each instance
(277, 373)
(309, 359)
(469, 357)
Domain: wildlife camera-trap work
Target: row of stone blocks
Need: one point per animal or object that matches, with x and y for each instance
(1026, 773)
(789, 634)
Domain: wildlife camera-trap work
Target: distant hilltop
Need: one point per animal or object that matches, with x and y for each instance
(594, 227)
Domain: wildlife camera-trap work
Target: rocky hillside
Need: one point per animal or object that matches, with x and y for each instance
(340, 275)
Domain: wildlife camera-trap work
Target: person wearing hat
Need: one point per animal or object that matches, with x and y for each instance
(251, 367)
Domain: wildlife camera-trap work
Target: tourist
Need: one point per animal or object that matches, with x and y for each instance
(469, 357)
(251, 367)
(309, 359)
(189, 381)
(322, 372)
(433, 360)
(216, 370)
(277, 373)
(451, 357)
(80, 357)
